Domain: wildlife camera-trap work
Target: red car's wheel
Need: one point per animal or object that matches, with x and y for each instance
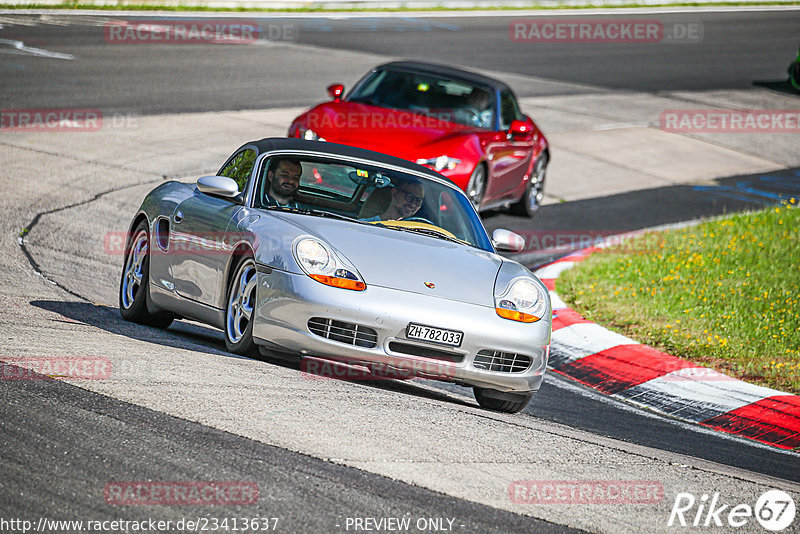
(477, 185)
(529, 204)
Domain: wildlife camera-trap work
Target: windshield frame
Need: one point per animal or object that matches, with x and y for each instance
(483, 241)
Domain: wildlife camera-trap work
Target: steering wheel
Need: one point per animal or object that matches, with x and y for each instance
(419, 219)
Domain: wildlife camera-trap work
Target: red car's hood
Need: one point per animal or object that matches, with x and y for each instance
(396, 132)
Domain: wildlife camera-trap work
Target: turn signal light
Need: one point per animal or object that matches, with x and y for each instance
(516, 315)
(343, 283)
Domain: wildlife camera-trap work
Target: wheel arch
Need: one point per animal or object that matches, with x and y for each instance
(137, 220)
(239, 251)
(141, 216)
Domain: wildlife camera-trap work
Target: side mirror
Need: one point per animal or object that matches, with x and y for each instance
(507, 240)
(520, 129)
(220, 186)
(336, 90)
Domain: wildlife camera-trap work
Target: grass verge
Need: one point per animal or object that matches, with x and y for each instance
(724, 294)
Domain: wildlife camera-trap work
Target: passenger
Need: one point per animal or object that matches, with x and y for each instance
(406, 199)
(283, 175)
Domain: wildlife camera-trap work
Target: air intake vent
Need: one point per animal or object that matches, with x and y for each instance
(424, 352)
(503, 362)
(349, 333)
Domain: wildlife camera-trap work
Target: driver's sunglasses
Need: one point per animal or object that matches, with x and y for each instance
(412, 198)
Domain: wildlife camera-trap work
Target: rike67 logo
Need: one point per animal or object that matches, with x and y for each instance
(774, 510)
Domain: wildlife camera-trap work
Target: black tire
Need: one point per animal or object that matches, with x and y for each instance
(240, 308)
(500, 401)
(794, 74)
(476, 187)
(133, 285)
(531, 199)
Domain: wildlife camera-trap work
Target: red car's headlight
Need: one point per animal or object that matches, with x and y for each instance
(441, 163)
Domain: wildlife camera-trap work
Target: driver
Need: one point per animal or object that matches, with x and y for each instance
(407, 198)
(479, 105)
(283, 175)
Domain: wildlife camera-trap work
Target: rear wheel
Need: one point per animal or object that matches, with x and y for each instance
(501, 401)
(240, 309)
(529, 204)
(476, 186)
(133, 284)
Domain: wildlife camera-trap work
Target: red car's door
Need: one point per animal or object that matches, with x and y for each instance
(509, 156)
(509, 161)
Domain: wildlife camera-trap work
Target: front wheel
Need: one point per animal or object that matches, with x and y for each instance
(476, 186)
(133, 284)
(240, 309)
(501, 401)
(531, 200)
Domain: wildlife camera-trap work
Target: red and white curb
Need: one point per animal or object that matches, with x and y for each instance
(619, 366)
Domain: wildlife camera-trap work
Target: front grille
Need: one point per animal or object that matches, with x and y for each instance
(425, 352)
(349, 333)
(503, 362)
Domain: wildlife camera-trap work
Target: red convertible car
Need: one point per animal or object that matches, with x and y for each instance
(464, 125)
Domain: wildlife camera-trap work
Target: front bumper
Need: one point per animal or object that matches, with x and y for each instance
(286, 302)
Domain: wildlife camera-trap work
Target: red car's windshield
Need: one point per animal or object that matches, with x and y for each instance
(448, 99)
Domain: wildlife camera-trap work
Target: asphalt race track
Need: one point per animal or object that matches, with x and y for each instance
(324, 453)
(736, 50)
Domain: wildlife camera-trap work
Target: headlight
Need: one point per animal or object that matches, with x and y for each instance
(523, 301)
(441, 163)
(313, 257)
(310, 135)
(321, 264)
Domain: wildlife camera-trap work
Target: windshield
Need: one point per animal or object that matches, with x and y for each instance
(369, 194)
(448, 99)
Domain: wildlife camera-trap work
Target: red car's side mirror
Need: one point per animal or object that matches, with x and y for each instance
(336, 90)
(520, 129)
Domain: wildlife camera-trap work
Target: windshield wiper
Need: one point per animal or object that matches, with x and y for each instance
(431, 233)
(316, 213)
(320, 213)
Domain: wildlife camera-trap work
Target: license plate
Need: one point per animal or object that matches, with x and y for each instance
(434, 335)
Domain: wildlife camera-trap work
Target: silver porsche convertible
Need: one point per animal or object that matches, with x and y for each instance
(330, 252)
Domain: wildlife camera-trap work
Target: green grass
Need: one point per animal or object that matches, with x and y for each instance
(121, 5)
(724, 294)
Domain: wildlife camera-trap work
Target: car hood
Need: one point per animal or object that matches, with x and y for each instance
(396, 132)
(407, 261)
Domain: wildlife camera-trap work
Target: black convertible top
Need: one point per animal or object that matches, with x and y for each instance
(444, 70)
(285, 143)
